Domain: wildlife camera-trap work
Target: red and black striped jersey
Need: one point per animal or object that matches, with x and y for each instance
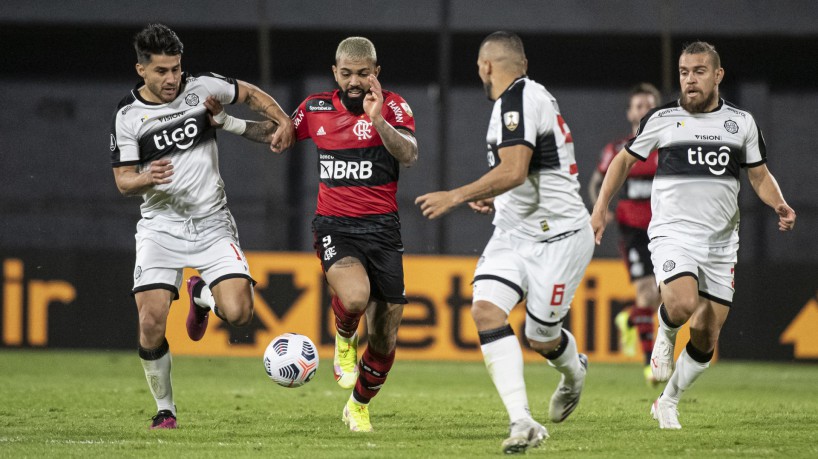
(358, 176)
(633, 206)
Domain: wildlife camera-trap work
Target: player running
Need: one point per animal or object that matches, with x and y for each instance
(703, 143)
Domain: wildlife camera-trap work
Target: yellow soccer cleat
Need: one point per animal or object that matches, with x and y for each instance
(356, 416)
(627, 334)
(345, 362)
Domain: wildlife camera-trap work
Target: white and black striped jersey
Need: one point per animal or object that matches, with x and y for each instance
(548, 203)
(144, 131)
(695, 191)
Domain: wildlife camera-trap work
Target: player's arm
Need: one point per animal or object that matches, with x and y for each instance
(594, 185)
(400, 143)
(617, 173)
(766, 187)
(510, 173)
(257, 131)
(130, 182)
(264, 104)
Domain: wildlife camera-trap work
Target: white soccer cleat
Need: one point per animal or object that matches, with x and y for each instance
(566, 398)
(666, 413)
(661, 359)
(524, 434)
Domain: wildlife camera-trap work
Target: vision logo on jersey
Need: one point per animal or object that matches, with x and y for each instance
(716, 161)
(345, 170)
(362, 129)
(187, 132)
(511, 120)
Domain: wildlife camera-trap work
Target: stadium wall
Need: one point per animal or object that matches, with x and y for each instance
(81, 300)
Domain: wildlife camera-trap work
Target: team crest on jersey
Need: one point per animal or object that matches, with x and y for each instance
(362, 129)
(406, 108)
(192, 99)
(511, 120)
(731, 126)
(669, 266)
(113, 142)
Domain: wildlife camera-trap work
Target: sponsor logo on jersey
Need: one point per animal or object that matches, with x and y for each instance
(137, 273)
(183, 136)
(298, 117)
(319, 105)
(345, 170)
(127, 107)
(396, 110)
(731, 126)
(680, 124)
(321, 131)
(707, 137)
(490, 157)
(143, 118)
(172, 116)
(742, 114)
(713, 159)
(406, 108)
(666, 112)
(113, 142)
(362, 129)
(192, 99)
(669, 266)
(511, 120)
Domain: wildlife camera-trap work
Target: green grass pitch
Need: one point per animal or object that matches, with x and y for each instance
(97, 404)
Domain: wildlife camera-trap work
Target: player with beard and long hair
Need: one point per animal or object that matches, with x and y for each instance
(703, 143)
(364, 134)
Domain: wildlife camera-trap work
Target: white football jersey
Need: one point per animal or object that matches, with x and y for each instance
(180, 131)
(548, 203)
(695, 191)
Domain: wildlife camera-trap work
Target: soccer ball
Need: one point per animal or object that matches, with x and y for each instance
(291, 360)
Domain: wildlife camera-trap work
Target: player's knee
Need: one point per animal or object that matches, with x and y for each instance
(238, 314)
(487, 316)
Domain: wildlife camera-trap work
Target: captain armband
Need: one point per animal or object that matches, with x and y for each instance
(230, 124)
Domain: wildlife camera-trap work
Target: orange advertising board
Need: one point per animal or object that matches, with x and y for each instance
(291, 296)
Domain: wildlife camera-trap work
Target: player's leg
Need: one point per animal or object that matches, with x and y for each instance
(676, 267)
(642, 317)
(383, 321)
(498, 287)
(716, 296)
(154, 352)
(558, 267)
(225, 286)
(342, 262)
(384, 254)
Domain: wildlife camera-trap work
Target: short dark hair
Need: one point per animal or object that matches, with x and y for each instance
(156, 39)
(645, 88)
(509, 40)
(703, 47)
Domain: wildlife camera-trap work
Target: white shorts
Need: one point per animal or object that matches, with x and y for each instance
(712, 267)
(164, 248)
(546, 274)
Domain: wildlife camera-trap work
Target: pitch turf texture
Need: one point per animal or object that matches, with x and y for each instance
(97, 404)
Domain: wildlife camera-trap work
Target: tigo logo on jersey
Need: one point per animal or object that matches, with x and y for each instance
(345, 170)
(188, 131)
(711, 158)
(511, 120)
(363, 129)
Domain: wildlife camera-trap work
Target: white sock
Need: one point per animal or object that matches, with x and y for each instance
(205, 299)
(504, 361)
(157, 372)
(670, 333)
(686, 373)
(568, 363)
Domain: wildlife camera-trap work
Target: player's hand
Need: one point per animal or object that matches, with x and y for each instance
(483, 206)
(437, 204)
(160, 171)
(283, 137)
(214, 108)
(373, 101)
(786, 217)
(599, 218)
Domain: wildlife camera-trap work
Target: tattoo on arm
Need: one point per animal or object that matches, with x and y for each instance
(259, 131)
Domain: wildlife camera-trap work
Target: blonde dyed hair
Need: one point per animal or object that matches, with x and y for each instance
(356, 48)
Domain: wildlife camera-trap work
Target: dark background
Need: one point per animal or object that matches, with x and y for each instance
(65, 65)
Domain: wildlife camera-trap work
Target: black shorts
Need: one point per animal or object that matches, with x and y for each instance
(381, 254)
(634, 249)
